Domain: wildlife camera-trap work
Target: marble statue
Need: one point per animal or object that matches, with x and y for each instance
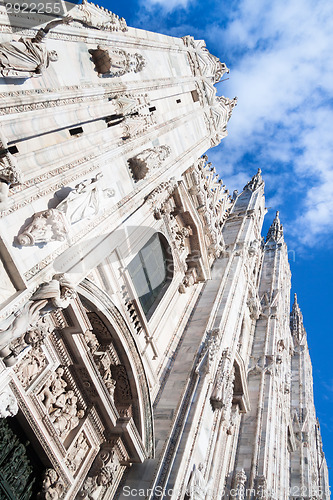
(28, 57)
(57, 294)
(85, 200)
(197, 487)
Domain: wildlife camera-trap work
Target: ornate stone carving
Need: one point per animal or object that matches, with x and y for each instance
(61, 405)
(222, 393)
(9, 170)
(98, 17)
(10, 174)
(77, 453)
(101, 476)
(28, 57)
(275, 232)
(160, 194)
(115, 62)
(82, 202)
(255, 182)
(240, 481)
(53, 486)
(57, 294)
(46, 226)
(148, 160)
(8, 404)
(31, 366)
(85, 200)
(33, 337)
(104, 362)
(198, 486)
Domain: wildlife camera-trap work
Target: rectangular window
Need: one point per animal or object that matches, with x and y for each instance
(195, 95)
(13, 150)
(76, 131)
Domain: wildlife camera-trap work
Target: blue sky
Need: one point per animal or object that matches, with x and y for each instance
(281, 68)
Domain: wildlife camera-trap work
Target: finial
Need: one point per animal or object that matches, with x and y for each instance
(255, 182)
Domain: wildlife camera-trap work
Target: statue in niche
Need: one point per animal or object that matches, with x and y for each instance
(197, 487)
(115, 62)
(28, 57)
(85, 200)
(148, 160)
(10, 175)
(57, 294)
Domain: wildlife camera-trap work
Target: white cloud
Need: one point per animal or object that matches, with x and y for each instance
(167, 5)
(282, 74)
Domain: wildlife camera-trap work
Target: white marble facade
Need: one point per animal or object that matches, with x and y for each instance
(145, 346)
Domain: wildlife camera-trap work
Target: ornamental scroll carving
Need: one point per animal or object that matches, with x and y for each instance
(56, 294)
(116, 62)
(102, 475)
(148, 160)
(83, 202)
(28, 57)
(49, 225)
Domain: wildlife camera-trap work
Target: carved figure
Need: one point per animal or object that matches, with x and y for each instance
(8, 404)
(31, 366)
(10, 174)
(53, 487)
(77, 454)
(113, 62)
(62, 407)
(197, 487)
(148, 160)
(53, 389)
(85, 200)
(57, 294)
(28, 57)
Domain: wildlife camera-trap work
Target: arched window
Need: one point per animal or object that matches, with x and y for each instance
(151, 272)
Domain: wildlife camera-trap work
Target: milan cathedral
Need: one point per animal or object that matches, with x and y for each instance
(147, 349)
